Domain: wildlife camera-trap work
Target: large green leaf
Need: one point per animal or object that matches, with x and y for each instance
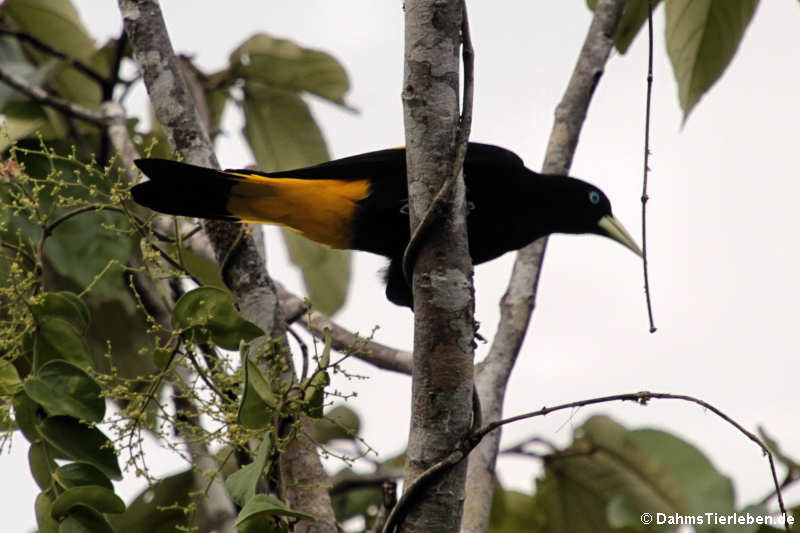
(80, 474)
(602, 474)
(66, 305)
(208, 312)
(282, 135)
(55, 339)
(84, 246)
(705, 489)
(280, 129)
(65, 389)
(282, 64)
(56, 22)
(81, 443)
(702, 38)
(326, 272)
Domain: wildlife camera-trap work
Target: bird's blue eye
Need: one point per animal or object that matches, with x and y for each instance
(594, 197)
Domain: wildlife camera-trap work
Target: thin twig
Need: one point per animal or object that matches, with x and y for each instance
(643, 398)
(45, 97)
(342, 339)
(470, 441)
(647, 163)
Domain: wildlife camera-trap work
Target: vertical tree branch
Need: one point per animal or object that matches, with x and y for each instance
(519, 300)
(244, 269)
(442, 281)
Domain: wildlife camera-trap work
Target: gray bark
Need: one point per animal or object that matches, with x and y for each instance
(441, 410)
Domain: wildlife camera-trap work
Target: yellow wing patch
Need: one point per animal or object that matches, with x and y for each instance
(322, 210)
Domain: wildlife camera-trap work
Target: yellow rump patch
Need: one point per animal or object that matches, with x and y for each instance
(322, 210)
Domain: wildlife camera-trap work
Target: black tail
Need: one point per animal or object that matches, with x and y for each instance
(181, 189)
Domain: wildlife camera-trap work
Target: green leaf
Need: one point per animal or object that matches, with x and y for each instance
(355, 501)
(41, 465)
(341, 422)
(85, 520)
(162, 358)
(242, 484)
(513, 512)
(81, 443)
(56, 22)
(282, 64)
(66, 305)
(27, 416)
(204, 270)
(702, 38)
(82, 247)
(10, 383)
(314, 390)
(257, 401)
(117, 323)
(100, 499)
(604, 464)
(43, 517)
(55, 338)
(64, 389)
(264, 505)
(21, 120)
(704, 488)
(14, 61)
(210, 312)
(280, 129)
(160, 508)
(326, 272)
(634, 15)
(80, 474)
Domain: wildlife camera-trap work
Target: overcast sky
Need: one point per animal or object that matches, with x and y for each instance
(722, 222)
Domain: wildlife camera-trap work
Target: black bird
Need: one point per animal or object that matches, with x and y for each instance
(361, 203)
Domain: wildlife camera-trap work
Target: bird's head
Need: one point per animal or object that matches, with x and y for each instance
(585, 208)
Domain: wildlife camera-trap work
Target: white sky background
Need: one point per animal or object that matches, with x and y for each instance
(722, 223)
